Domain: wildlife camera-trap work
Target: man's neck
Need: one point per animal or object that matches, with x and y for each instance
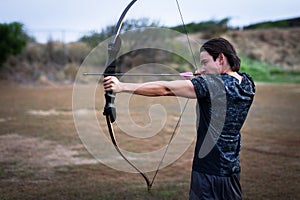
(236, 75)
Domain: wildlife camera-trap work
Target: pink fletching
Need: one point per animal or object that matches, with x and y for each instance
(187, 74)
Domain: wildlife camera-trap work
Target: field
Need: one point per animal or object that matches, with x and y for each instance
(42, 156)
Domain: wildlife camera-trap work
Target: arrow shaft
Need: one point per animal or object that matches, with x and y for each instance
(185, 74)
(125, 74)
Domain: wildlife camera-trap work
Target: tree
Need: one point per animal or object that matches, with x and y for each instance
(209, 28)
(94, 38)
(12, 40)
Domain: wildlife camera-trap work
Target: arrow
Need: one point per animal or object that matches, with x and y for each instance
(184, 74)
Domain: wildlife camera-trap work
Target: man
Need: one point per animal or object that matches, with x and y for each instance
(215, 173)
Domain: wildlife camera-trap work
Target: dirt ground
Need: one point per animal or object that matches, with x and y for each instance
(42, 157)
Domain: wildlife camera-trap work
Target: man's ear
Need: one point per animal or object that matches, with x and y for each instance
(221, 58)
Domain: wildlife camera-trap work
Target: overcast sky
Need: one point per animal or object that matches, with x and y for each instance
(67, 20)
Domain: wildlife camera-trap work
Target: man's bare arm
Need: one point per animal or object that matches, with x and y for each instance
(182, 88)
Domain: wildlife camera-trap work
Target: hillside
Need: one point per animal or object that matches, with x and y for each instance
(275, 46)
(274, 42)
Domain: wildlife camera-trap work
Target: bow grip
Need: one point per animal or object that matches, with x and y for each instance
(110, 108)
(113, 49)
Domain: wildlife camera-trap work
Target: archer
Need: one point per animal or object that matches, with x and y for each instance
(215, 173)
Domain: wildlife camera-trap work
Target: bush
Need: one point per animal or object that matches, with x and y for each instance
(12, 40)
(265, 72)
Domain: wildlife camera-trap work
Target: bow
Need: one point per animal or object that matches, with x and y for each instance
(109, 109)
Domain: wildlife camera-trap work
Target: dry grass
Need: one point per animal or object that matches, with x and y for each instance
(42, 157)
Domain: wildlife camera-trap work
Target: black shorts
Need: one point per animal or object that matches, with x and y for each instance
(204, 187)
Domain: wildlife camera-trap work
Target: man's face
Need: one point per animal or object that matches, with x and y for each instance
(208, 65)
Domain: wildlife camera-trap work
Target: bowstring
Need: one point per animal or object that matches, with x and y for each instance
(168, 145)
(186, 103)
(187, 35)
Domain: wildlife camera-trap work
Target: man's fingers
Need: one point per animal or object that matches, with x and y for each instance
(110, 83)
(106, 79)
(107, 83)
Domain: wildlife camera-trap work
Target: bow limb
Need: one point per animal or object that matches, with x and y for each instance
(113, 139)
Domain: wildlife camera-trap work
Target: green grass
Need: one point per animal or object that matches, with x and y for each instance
(265, 72)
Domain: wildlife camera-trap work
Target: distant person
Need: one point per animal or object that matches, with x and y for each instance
(216, 173)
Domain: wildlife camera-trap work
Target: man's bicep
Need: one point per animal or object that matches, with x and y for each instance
(183, 88)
